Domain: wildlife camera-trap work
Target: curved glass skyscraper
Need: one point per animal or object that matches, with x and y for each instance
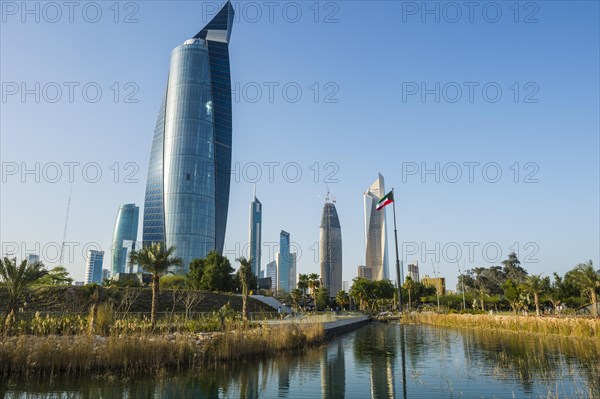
(330, 249)
(187, 192)
(376, 257)
(125, 234)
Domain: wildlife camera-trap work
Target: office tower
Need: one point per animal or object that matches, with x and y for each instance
(413, 271)
(105, 274)
(293, 277)
(346, 286)
(93, 268)
(375, 231)
(284, 262)
(124, 236)
(32, 258)
(271, 272)
(187, 192)
(330, 249)
(365, 272)
(255, 232)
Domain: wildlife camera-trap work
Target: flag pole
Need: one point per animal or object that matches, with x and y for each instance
(398, 276)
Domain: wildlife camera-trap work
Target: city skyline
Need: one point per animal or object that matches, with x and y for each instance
(438, 213)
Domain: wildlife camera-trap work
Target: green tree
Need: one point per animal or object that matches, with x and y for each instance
(314, 282)
(56, 276)
(303, 285)
(536, 285)
(322, 298)
(512, 294)
(588, 280)
(213, 273)
(361, 291)
(296, 296)
(155, 259)
(512, 269)
(173, 282)
(342, 299)
(409, 285)
(16, 279)
(245, 277)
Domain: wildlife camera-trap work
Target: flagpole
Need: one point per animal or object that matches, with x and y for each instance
(398, 276)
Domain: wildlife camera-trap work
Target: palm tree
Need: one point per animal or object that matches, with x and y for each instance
(588, 279)
(535, 284)
(303, 285)
(409, 285)
(156, 260)
(342, 299)
(245, 275)
(296, 296)
(17, 278)
(314, 281)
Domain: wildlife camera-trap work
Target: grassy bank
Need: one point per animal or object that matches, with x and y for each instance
(27, 355)
(566, 327)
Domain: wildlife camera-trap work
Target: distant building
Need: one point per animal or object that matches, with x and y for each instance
(264, 283)
(376, 232)
(78, 283)
(439, 283)
(413, 271)
(330, 249)
(346, 286)
(284, 262)
(271, 273)
(293, 275)
(105, 274)
(124, 236)
(93, 269)
(32, 258)
(255, 232)
(365, 272)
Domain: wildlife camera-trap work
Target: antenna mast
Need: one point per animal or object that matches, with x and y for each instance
(64, 239)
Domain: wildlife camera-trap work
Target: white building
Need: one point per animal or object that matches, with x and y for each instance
(375, 231)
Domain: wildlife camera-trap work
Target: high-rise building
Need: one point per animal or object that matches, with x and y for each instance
(330, 249)
(284, 262)
(365, 272)
(124, 236)
(346, 286)
(413, 271)
(375, 231)
(93, 268)
(293, 275)
(187, 192)
(271, 272)
(32, 258)
(255, 235)
(105, 274)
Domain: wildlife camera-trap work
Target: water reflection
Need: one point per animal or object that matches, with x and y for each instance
(377, 361)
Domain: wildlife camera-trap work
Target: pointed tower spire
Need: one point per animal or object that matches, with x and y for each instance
(219, 28)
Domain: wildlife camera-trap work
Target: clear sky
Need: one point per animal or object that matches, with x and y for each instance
(386, 86)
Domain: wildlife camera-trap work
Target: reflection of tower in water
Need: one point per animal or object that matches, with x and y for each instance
(333, 372)
(382, 367)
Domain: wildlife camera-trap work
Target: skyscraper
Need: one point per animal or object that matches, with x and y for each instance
(187, 192)
(330, 249)
(255, 235)
(124, 236)
(284, 262)
(375, 231)
(93, 268)
(271, 272)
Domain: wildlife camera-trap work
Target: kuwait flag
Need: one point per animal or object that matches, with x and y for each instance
(388, 199)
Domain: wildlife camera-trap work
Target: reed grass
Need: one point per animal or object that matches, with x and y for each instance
(566, 327)
(28, 355)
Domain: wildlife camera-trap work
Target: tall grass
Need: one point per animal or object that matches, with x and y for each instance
(28, 355)
(567, 327)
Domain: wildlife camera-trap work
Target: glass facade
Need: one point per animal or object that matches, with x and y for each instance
(187, 192)
(93, 269)
(126, 227)
(376, 257)
(330, 249)
(255, 235)
(284, 262)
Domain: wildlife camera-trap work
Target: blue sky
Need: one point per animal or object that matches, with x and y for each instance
(369, 63)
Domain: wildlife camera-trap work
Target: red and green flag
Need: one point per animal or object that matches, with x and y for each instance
(386, 200)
